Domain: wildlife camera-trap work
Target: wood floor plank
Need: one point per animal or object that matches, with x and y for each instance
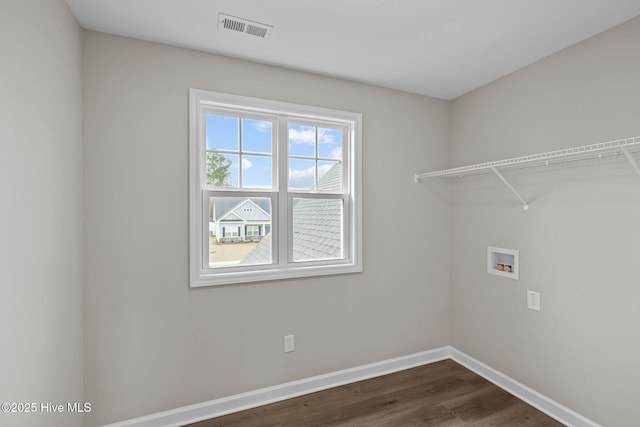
(519, 415)
(425, 416)
(439, 394)
(481, 403)
(436, 415)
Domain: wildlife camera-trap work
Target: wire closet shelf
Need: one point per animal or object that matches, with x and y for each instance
(625, 146)
(575, 153)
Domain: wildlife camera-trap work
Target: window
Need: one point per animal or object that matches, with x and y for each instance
(253, 230)
(274, 190)
(230, 232)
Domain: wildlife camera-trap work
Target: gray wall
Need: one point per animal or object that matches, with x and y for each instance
(41, 209)
(578, 242)
(152, 343)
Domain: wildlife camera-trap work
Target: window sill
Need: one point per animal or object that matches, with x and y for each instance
(229, 278)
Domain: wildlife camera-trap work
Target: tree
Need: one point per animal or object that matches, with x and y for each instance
(218, 173)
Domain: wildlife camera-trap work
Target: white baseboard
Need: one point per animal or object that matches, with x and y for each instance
(543, 403)
(264, 396)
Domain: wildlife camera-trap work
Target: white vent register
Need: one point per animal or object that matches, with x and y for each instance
(245, 26)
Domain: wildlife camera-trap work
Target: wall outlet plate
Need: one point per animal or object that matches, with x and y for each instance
(289, 343)
(533, 300)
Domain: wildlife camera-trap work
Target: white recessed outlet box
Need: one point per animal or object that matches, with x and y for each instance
(533, 300)
(503, 262)
(289, 343)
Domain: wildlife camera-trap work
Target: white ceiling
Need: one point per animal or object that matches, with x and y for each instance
(440, 48)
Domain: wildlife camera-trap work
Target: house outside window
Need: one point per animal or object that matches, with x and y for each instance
(274, 190)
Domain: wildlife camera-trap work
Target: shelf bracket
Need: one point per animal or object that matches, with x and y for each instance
(525, 205)
(631, 159)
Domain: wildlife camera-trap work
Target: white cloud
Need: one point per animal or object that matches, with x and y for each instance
(264, 127)
(326, 136)
(302, 173)
(305, 178)
(305, 136)
(246, 163)
(302, 178)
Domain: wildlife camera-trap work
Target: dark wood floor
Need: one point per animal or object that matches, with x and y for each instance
(439, 394)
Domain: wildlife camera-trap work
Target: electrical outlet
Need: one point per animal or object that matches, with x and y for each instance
(533, 300)
(289, 343)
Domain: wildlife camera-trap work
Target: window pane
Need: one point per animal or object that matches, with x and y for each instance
(317, 229)
(257, 172)
(256, 136)
(239, 231)
(222, 170)
(302, 140)
(330, 143)
(222, 133)
(329, 176)
(302, 174)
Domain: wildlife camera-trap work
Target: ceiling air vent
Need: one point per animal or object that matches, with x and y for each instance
(242, 25)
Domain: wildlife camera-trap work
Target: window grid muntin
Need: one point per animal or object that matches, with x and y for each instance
(346, 131)
(241, 115)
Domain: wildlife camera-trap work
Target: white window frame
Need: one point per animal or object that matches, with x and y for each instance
(283, 266)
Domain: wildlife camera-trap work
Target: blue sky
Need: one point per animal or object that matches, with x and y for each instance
(306, 149)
